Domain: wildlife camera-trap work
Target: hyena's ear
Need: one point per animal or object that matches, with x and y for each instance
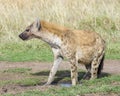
(37, 24)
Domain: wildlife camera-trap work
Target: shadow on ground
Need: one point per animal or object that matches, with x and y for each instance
(64, 76)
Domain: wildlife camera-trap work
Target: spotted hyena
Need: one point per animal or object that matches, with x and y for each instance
(84, 47)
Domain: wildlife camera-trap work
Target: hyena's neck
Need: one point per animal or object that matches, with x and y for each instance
(53, 28)
(51, 39)
(52, 34)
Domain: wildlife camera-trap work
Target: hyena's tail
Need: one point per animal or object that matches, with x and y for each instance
(101, 65)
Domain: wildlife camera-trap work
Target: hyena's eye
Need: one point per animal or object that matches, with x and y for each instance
(27, 30)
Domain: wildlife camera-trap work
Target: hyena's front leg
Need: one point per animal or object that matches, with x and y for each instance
(74, 73)
(57, 60)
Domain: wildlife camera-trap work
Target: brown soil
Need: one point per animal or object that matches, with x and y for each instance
(110, 67)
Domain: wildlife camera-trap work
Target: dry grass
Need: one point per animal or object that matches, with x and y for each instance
(102, 16)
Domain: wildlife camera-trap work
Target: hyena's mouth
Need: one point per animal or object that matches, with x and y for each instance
(24, 36)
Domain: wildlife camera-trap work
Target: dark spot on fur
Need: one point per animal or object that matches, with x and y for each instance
(95, 64)
(95, 68)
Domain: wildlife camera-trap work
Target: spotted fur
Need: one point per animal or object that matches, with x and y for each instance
(84, 47)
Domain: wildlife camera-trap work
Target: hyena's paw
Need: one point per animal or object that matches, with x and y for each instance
(46, 84)
(92, 78)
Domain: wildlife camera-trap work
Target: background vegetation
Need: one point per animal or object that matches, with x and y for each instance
(102, 16)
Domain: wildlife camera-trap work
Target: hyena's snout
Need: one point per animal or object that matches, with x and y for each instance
(24, 36)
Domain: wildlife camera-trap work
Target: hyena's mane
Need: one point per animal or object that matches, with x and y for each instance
(53, 28)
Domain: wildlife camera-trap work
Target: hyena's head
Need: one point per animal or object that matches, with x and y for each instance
(31, 30)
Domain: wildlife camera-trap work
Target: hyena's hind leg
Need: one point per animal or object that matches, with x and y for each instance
(101, 65)
(97, 65)
(88, 73)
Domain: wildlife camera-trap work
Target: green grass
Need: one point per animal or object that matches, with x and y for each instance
(28, 82)
(107, 85)
(5, 82)
(40, 51)
(25, 52)
(18, 70)
(22, 82)
(112, 51)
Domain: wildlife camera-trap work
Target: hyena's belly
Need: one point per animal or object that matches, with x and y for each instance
(85, 55)
(84, 60)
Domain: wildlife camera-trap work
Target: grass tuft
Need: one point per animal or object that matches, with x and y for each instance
(28, 82)
(18, 70)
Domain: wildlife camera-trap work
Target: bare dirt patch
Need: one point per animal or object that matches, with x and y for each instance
(42, 68)
(110, 66)
(15, 89)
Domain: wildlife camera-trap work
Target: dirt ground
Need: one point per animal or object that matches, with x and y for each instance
(110, 67)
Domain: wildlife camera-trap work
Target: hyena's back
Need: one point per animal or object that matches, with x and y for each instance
(87, 45)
